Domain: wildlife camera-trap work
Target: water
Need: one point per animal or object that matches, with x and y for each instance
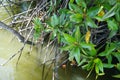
(28, 67)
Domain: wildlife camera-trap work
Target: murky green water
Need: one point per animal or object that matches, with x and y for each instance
(28, 66)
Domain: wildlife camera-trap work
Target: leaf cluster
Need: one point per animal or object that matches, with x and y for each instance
(73, 28)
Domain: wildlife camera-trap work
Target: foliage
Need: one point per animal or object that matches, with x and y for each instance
(76, 27)
(38, 27)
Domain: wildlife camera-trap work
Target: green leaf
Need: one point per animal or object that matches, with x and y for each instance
(116, 76)
(110, 13)
(99, 18)
(71, 1)
(100, 9)
(105, 65)
(62, 19)
(93, 11)
(117, 55)
(90, 47)
(91, 23)
(37, 24)
(75, 8)
(82, 62)
(96, 69)
(71, 56)
(110, 49)
(102, 53)
(109, 58)
(77, 18)
(77, 34)
(38, 27)
(81, 3)
(117, 15)
(90, 65)
(112, 2)
(98, 65)
(68, 47)
(69, 38)
(77, 55)
(54, 20)
(112, 33)
(63, 11)
(112, 25)
(118, 66)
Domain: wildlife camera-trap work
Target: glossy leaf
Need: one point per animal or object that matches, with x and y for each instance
(91, 23)
(37, 27)
(77, 18)
(112, 2)
(96, 69)
(112, 25)
(98, 65)
(62, 19)
(117, 55)
(90, 65)
(103, 53)
(68, 47)
(108, 50)
(75, 53)
(82, 62)
(110, 13)
(116, 76)
(77, 34)
(54, 20)
(75, 8)
(112, 33)
(93, 11)
(109, 58)
(37, 24)
(90, 47)
(71, 1)
(117, 15)
(105, 65)
(69, 38)
(118, 66)
(81, 3)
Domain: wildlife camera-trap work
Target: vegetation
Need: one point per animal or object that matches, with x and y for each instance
(87, 30)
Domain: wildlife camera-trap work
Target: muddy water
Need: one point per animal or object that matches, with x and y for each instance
(28, 67)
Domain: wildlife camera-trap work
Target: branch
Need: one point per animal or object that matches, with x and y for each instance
(19, 37)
